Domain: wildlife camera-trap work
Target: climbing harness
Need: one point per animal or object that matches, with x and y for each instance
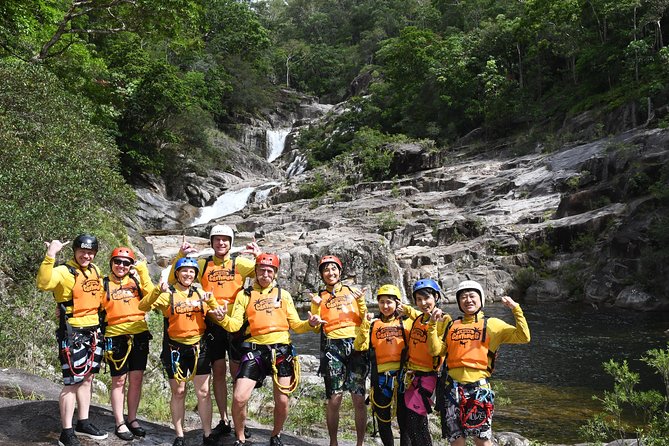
(481, 400)
(109, 353)
(74, 338)
(175, 358)
(290, 388)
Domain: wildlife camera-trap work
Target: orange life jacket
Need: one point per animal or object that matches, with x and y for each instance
(224, 282)
(468, 346)
(339, 310)
(266, 313)
(85, 292)
(186, 314)
(419, 352)
(122, 302)
(388, 340)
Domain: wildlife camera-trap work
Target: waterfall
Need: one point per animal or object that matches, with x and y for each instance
(276, 140)
(228, 203)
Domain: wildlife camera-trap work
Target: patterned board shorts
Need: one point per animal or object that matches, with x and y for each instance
(451, 426)
(343, 368)
(80, 354)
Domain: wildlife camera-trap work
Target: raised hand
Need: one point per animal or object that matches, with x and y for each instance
(54, 247)
(316, 299)
(315, 320)
(437, 315)
(508, 302)
(220, 311)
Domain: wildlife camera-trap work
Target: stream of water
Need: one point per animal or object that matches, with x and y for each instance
(550, 381)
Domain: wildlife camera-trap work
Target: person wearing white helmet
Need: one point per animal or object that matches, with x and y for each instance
(471, 345)
(223, 275)
(185, 356)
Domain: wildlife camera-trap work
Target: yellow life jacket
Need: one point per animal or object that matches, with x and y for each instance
(468, 346)
(266, 313)
(339, 310)
(224, 282)
(122, 301)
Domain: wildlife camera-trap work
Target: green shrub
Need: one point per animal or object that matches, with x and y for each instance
(388, 222)
(651, 405)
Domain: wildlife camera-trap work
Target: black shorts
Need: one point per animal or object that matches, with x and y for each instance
(257, 361)
(235, 341)
(217, 341)
(116, 349)
(185, 359)
(80, 353)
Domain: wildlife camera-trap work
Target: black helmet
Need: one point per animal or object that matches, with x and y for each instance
(85, 241)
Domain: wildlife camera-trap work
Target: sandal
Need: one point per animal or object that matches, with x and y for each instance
(137, 431)
(127, 435)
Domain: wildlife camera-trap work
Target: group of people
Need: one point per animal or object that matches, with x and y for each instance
(228, 312)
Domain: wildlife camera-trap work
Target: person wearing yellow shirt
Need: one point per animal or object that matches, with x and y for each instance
(471, 345)
(223, 275)
(76, 286)
(184, 354)
(343, 368)
(265, 313)
(127, 336)
(420, 370)
(386, 339)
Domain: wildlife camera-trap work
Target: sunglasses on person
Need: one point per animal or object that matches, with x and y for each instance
(122, 262)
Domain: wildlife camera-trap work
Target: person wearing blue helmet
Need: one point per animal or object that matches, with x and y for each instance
(184, 354)
(420, 369)
(471, 344)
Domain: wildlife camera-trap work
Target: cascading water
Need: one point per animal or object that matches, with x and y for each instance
(228, 203)
(276, 141)
(233, 201)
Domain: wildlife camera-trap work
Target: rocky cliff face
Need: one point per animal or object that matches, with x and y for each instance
(570, 224)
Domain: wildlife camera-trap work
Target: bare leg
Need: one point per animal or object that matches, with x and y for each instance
(332, 417)
(360, 418)
(201, 383)
(178, 406)
(242, 393)
(280, 405)
(219, 370)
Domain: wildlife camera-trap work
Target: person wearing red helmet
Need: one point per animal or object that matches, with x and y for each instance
(471, 344)
(127, 336)
(343, 368)
(223, 275)
(184, 354)
(265, 313)
(76, 287)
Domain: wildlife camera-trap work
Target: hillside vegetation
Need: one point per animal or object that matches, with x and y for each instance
(96, 94)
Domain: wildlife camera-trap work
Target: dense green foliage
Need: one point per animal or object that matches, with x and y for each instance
(650, 405)
(60, 177)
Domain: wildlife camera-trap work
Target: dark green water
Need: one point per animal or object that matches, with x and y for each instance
(550, 381)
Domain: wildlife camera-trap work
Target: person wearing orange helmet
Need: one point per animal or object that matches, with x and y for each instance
(265, 313)
(343, 368)
(127, 336)
(76, 287)
(223, 274)
(184, 354)
(471, 345)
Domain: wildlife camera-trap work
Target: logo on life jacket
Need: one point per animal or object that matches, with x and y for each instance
(187, 307)
(122, 294)
(267, 304)
(338, 301)
(91, 286)
(418, 335)
(466, 334)
(220, 275)
(388, 333)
